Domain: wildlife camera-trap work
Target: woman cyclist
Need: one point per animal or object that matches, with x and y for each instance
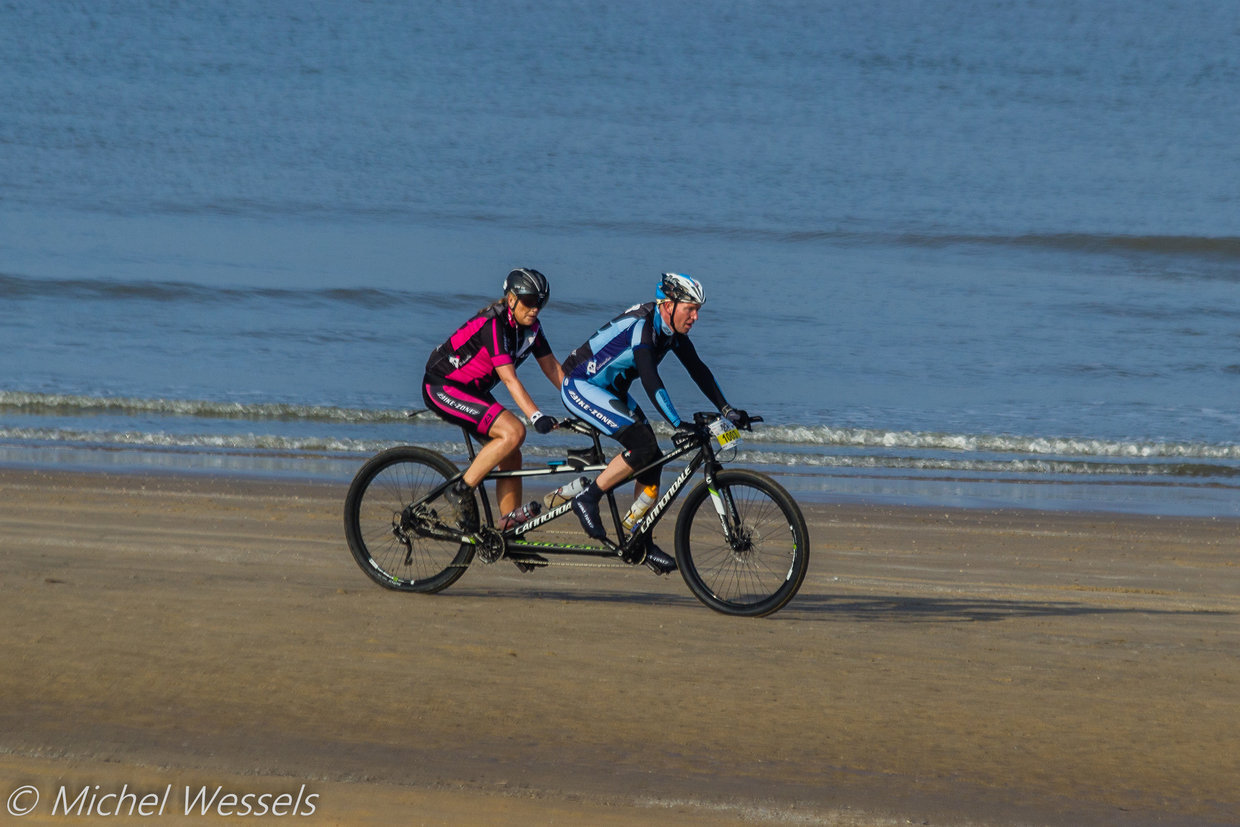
(462, 372)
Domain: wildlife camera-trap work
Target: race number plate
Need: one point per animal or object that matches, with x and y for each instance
(725, 433)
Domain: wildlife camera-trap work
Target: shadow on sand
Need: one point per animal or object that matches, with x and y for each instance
(853, 608)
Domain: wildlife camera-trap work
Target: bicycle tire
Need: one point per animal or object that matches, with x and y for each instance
(378, 497)
(762, 571)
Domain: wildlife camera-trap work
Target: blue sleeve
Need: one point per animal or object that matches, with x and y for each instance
(649, 374)
(648, 370)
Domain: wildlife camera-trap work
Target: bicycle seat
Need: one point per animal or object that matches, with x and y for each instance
(581, 457)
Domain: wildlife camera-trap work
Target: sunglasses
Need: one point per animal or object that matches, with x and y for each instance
(534, 301)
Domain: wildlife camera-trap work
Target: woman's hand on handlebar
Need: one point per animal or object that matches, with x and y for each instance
(543, 424)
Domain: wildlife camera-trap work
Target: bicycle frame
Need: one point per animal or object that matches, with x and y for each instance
(701, 455)
(751, 569)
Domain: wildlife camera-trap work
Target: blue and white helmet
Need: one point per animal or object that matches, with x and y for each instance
(677, 287)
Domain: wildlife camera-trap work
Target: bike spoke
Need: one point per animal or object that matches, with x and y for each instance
(399, 541)
(757, 565)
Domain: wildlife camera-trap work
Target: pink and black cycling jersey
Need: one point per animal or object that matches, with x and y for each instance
(488, 341)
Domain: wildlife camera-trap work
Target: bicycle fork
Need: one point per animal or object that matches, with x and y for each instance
(729, 517)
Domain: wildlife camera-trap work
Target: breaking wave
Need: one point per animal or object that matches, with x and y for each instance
(287, 428)
(71, 405)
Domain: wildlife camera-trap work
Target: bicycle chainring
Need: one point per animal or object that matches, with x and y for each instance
(491, 545)
(632, 552)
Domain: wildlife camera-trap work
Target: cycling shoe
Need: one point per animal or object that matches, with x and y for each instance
(658, 561)
(586, 509)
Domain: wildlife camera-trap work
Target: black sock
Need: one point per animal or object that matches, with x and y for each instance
(592, 491)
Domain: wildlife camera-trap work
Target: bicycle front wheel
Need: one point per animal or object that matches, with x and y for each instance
(743, 547)
(384, 524)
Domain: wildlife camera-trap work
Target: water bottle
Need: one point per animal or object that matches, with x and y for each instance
(640, 506)
(566, 492)
(519, 515)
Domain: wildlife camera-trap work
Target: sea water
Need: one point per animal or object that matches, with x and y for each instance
(962, 253)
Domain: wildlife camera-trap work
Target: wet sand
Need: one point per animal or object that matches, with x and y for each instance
(174, 633)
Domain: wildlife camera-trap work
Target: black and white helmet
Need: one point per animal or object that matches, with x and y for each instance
(677, 287)
(529, 285)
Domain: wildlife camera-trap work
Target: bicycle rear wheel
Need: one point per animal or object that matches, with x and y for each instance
(756, 567)
(382, 525)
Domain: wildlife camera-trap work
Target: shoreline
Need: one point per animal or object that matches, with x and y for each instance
(953, 665)
(968, 492)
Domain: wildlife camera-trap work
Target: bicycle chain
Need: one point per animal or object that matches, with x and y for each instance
(618, 564)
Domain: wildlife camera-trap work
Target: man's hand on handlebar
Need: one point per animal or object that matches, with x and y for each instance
(739, 418)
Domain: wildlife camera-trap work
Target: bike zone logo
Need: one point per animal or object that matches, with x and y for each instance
(449, 402)
(95, 801)
(585, 407)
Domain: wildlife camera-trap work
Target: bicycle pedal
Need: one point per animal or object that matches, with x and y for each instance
(631, 556)
(529, 562)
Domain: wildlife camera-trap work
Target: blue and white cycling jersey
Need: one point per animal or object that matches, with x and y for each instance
(628, 347)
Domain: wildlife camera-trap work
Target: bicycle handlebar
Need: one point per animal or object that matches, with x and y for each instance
(703, 418)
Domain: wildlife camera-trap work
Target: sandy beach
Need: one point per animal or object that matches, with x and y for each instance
(173, 637)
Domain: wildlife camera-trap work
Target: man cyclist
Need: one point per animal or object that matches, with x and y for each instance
(597, 378)
(486, 350)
